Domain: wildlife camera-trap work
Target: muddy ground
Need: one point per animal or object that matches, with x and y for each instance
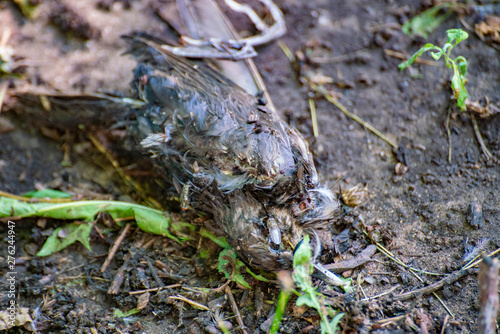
(419, 215)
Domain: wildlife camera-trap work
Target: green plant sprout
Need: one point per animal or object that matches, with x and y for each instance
(459, 64)
(302, 269)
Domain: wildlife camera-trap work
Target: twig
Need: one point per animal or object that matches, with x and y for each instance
(236, 311)
(138, 292)
(222, 287)
(383, 293)
(394, 319)
(455, 276)
(321, 90)
(115, 247)
(128, 181)
(403, 56)
(391, 256)
(190, 302)
(314, 120)
(358, 119)
(119, 276)
(488, 295)
(445, 323)
(153, 272)
(480, 140)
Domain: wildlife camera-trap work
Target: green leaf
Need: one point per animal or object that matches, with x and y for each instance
(306, 299)
(148, 219)
(256, 276)
(220, 241)
(335, 321)
(459, 91)
(204, 253)
(462, 65)
(456, 34)
(66, 235)
(46, 193)
(224, 263)
(425, 48)
(426, 22)
(302, 253)
(154, 221)
(119, 314)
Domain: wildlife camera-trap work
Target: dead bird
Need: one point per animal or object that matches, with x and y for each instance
(212, 136)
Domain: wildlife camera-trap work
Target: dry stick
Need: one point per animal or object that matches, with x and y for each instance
(190, 302)
(358, 119)
(480, 140)
(314, 120)
(383, 293)
(382, 322)
(153, 273)
(115, 286)
(488, 295)
(138, 292)
(115, 247)
(445, 323)
(236, 311)
(404, 56)
(455, 276)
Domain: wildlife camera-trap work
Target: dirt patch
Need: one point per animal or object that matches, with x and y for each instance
(420, 215)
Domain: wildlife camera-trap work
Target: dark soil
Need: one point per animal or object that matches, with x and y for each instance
(419, 215)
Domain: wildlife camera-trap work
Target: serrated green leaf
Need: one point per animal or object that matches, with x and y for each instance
(307, 300)
(223, 265)
(72, 232)
(335, 321)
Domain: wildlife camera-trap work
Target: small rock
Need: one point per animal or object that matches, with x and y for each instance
(475, 215)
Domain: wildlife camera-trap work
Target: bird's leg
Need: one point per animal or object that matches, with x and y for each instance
(218, 49)
(323, 273)
(229, 48)
(327, 276)
(268, 33)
